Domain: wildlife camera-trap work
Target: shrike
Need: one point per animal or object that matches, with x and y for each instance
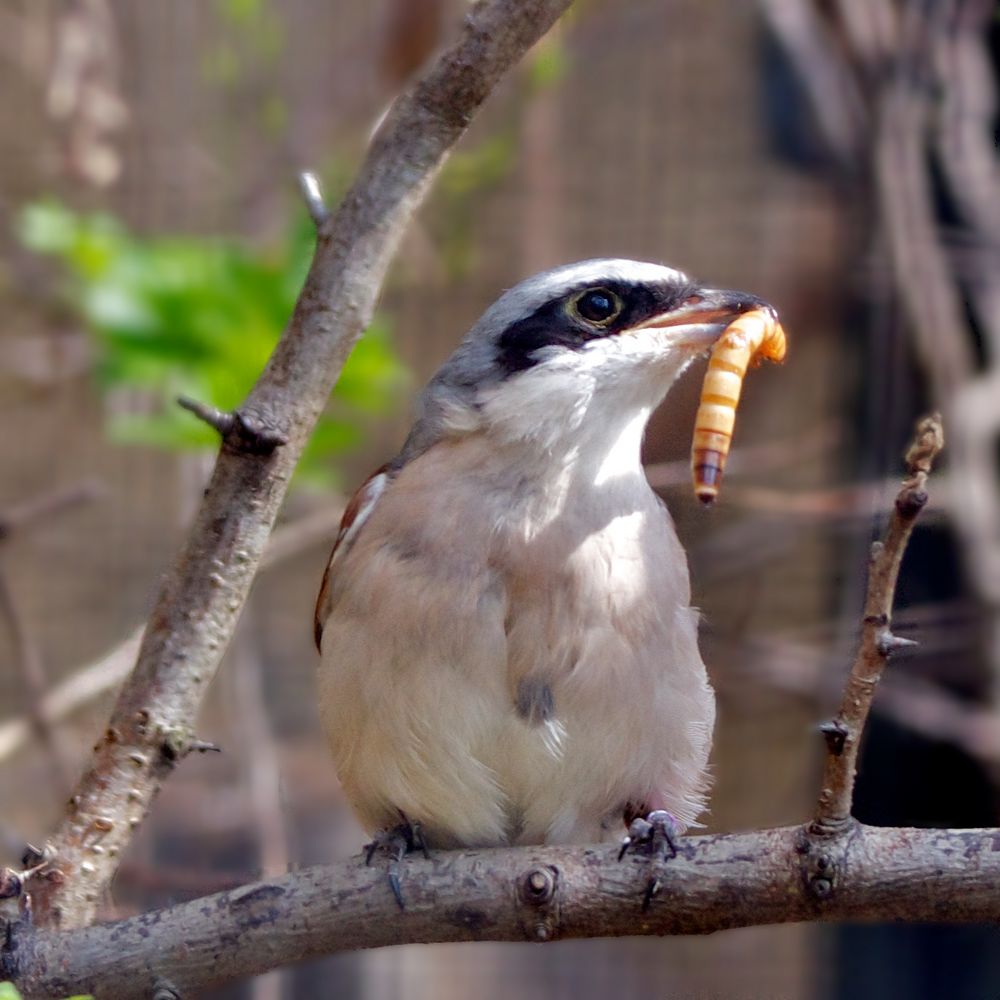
(509, 654)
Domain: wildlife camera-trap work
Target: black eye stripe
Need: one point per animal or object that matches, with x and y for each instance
(560, 323)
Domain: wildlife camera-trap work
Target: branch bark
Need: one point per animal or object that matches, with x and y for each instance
(522, 894)
(843, 734)
(196, 612)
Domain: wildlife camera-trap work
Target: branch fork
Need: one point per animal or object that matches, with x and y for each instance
(240, 430)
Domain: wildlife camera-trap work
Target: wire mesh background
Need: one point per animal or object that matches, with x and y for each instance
(674, 131)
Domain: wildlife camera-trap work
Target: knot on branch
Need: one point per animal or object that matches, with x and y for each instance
(822, 846)
(537, 893)
(241, 431)
(179, 742)
(163, 989)
(910, 502)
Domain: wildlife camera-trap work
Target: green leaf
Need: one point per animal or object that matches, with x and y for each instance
(196, 316)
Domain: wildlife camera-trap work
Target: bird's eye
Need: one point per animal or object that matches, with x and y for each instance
(598, 305)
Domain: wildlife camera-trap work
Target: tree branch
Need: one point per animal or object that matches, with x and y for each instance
(196, 611)
(843, 734)
(522, 894)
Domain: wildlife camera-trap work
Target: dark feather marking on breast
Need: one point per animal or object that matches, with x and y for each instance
(535, 702)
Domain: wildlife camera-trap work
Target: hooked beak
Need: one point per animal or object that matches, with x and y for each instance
(700, 319)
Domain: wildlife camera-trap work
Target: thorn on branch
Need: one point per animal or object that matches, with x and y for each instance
(177, 744)
(887, 643)
(239, 431)
(835, 734)
(312, 195)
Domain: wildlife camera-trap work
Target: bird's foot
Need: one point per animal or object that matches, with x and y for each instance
(655, 836)
(396, 842)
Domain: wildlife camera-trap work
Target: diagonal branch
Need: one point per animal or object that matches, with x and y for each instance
(201, 598)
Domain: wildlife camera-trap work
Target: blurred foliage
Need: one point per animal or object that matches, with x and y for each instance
(473, 170)
(185, 315)
(547, 63)
(468, 174)
(253, 36)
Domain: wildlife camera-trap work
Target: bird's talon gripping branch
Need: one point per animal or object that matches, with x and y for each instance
(656, 837)
(754, 335)
(396, 842)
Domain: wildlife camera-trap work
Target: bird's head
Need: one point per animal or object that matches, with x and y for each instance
(580, 353)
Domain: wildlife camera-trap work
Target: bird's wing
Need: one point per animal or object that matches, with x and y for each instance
(356, 513)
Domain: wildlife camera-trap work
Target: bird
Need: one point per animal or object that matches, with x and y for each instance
(508, 651)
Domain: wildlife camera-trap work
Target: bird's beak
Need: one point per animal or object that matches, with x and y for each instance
(700, 319)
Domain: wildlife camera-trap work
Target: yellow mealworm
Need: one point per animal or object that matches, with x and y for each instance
(754, 335)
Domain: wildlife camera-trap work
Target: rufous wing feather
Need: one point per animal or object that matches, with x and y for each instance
(356, 513)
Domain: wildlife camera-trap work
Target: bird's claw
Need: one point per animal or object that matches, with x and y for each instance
(396, 842)
(655, 836)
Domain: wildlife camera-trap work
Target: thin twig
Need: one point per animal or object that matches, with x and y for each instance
(27, 652)
(20, 516)
(89, 682)
(843, 733)
(28, 658)
(830, 86)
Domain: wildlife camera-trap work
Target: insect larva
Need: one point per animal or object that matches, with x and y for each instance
(753, 335)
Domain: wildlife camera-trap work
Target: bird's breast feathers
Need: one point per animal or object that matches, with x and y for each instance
(503, 682)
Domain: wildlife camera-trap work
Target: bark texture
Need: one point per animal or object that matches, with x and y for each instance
(523, 894)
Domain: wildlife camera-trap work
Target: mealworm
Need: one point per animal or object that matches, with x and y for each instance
(754, 335)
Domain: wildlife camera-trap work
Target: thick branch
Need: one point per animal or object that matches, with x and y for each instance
(196, 611)
(716, 882)
(843, 734)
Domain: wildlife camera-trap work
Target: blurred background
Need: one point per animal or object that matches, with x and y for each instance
(838, 157)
